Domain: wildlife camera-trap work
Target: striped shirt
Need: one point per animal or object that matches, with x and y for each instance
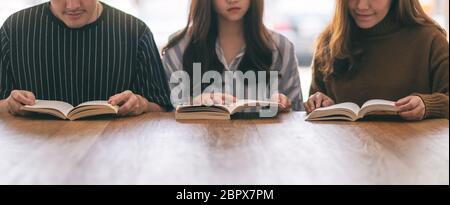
(117, 52)
(285, 62)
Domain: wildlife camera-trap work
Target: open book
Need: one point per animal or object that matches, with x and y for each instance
(352, 112)
(219, 112)
(66, 111)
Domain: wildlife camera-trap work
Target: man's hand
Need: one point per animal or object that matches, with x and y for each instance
(17, 100)
(131, 104)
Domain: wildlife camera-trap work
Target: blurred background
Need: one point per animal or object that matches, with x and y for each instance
(300, 21)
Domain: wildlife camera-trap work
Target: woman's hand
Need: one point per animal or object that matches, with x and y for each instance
(210, 99)
(316, 101)
(411, 108)
(283, 100)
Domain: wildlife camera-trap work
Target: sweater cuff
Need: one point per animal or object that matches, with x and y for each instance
(436, 105)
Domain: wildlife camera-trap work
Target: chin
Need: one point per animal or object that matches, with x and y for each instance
(365, 25)
(74, 24)
(234, 18)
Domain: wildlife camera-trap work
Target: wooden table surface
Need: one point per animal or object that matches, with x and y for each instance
(156, 149)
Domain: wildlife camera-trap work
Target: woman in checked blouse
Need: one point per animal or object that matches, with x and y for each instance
(229, 35)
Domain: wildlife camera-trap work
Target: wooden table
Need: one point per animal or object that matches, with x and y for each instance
(156, 149)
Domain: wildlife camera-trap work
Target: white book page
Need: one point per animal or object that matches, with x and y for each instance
(349, 106)
(378, 107)
(95, 103)
(378, 102)
(63, 107)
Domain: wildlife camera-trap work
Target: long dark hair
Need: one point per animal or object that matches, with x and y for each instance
(202, 27)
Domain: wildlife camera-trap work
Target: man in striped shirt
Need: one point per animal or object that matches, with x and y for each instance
(78, 51)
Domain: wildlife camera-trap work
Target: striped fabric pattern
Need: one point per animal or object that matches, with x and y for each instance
(115, 53)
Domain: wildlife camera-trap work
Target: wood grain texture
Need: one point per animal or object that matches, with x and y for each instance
(156, 149)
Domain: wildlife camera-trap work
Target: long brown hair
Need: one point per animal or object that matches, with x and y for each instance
(202, 27)
(337, 43)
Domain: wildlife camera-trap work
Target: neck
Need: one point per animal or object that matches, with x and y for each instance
(231, 29)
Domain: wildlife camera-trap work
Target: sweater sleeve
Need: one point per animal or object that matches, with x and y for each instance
(436, 103)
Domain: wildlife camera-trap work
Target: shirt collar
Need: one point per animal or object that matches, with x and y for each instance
(234, 64)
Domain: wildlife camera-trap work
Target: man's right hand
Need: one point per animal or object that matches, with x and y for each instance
(17, 100)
